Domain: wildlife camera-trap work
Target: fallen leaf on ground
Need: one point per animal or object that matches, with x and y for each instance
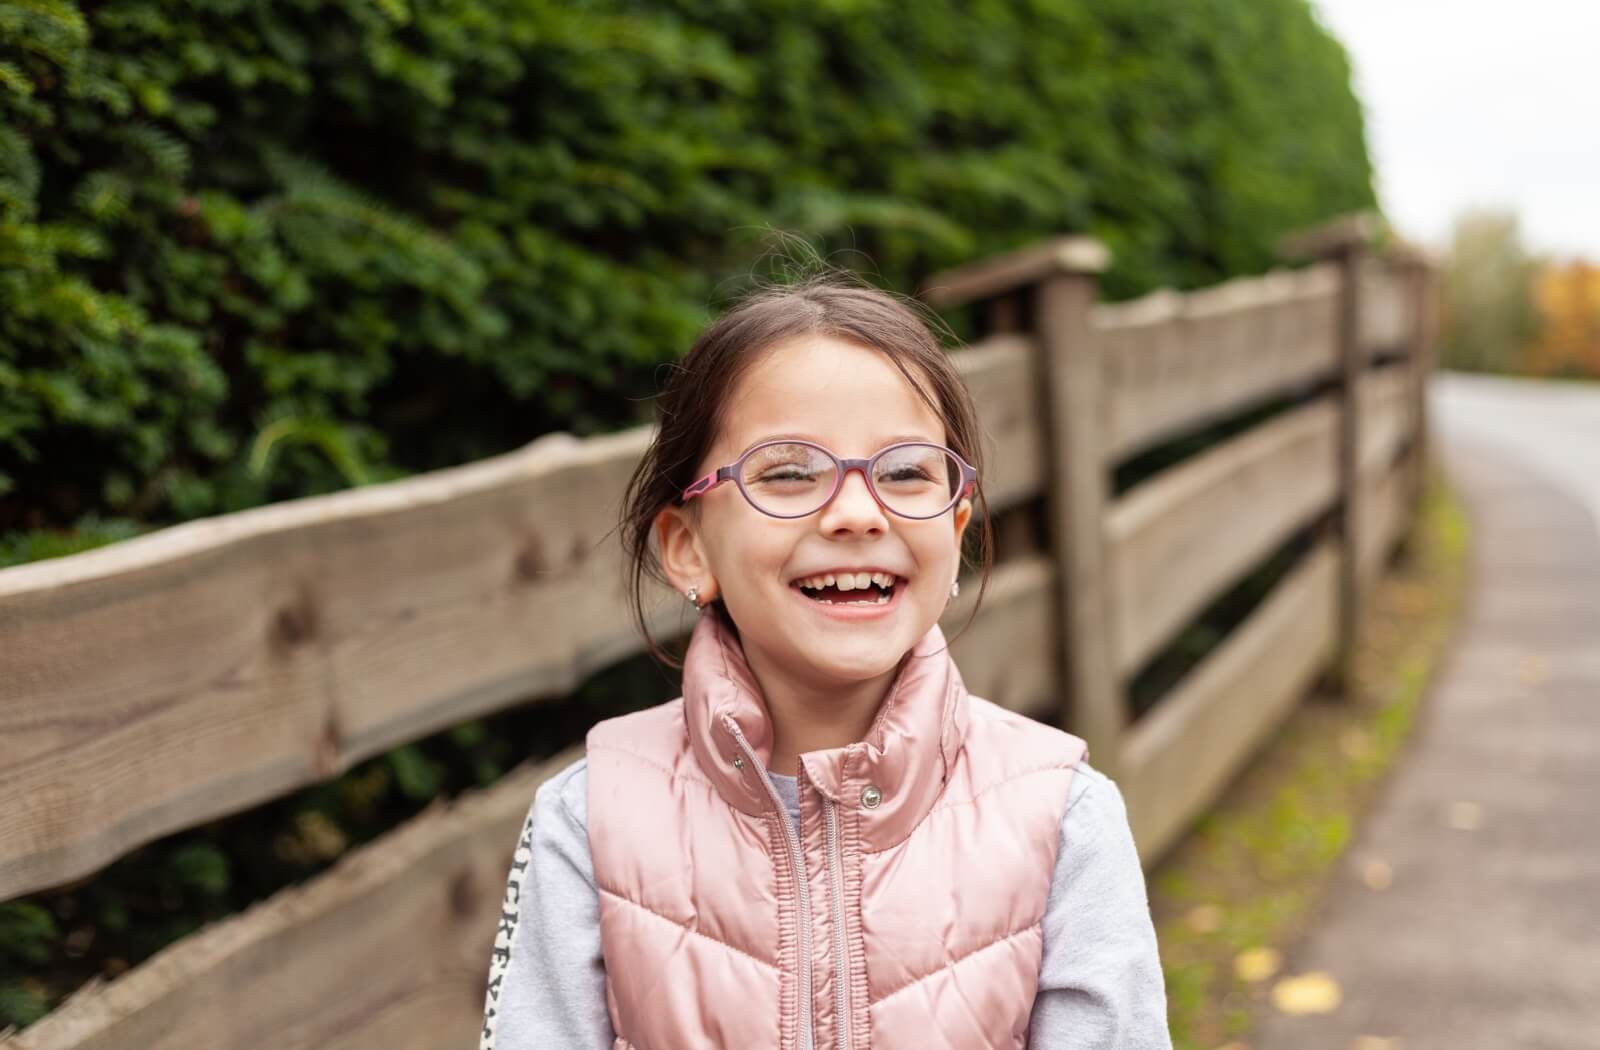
(1377, 874)
(1356, 744)
(1204, 918)
(1310, 993)
(1256, 964)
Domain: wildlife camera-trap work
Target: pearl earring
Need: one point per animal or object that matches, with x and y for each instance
(955, 588)
(693, 594)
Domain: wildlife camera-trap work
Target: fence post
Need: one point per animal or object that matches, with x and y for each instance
(1071, 390)
(1061, 278)
(1344, 242)
(1422, 294)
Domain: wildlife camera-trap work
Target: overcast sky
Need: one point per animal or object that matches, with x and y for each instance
(1481, 102)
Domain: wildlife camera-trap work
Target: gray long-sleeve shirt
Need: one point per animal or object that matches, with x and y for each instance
(1100, 980)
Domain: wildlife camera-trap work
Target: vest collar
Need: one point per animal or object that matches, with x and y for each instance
(906, 754)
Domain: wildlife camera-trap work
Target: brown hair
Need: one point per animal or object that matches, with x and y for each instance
(827, 304)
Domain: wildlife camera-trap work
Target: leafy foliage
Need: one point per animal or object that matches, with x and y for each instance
(423, 233)
(1568, 297)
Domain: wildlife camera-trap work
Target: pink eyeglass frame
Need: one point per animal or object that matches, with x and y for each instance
(734, 472)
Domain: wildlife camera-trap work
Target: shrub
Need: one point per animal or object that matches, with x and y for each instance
(251, 251)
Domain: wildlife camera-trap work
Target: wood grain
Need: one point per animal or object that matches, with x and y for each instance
(1184, 751)
(389, 949)
(1177, 362)
(1182, 538)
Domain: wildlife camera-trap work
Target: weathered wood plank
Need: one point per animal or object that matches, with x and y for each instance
(1008, 655)
(1387, 308)
(176, 677)
(1175, 362)
(1359, 229)
(1070, 374)
(1183, 537)
(1387, 414)
(1348, 516)
(1002, 274)
(1385, 508)
(1184, 751)
(388, 950)
(999, 373)
(1420, 274)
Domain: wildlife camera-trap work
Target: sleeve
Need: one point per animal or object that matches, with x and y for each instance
(1100, 982)
(547, 984)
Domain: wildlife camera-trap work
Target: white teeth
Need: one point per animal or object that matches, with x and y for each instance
(882, 599)
(851, 581)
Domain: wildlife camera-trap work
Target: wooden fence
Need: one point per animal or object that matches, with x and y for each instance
(173, 679)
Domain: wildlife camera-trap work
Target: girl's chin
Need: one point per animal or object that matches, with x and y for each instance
(841, 669)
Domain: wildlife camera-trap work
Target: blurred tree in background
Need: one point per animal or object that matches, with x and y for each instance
(1568, 296)
(1490, 317)
(253, 250)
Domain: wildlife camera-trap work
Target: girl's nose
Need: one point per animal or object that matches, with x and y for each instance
(853, 508)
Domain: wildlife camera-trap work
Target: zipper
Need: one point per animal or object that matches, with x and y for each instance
(841, 976)
(798, 866)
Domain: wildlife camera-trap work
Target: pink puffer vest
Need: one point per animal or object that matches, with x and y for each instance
(906, 914)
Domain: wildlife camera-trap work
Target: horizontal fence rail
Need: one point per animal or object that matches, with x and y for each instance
(1178, 541)
(1182, 755)
(169, 680)
(387, 949)
(209, 667)
(1175, 361)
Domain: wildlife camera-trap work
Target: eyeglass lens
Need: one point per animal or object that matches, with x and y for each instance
(790, 480)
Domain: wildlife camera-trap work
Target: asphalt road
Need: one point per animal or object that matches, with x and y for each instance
(1487, 934)
(1551, 428)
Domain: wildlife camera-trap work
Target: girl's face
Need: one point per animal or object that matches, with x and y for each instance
(852, 400)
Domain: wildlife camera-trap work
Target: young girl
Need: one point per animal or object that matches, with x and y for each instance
(825, 843)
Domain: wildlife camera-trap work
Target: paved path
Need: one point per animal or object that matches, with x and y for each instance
(1489, 936)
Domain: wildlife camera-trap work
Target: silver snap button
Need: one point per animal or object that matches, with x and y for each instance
(738, 762)
(871, 796)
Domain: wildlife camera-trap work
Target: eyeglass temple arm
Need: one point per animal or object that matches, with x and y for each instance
(707, 483)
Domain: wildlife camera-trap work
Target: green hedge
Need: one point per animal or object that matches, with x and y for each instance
(250, 251)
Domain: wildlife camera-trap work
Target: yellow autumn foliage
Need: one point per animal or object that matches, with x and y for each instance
(1568, 298)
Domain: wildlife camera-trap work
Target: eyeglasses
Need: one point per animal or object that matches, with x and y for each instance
(791, 479)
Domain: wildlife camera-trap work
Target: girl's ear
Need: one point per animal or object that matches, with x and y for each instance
(683, 557)
(962, 516)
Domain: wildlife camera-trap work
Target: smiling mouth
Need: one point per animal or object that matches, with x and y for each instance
(874, 593)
